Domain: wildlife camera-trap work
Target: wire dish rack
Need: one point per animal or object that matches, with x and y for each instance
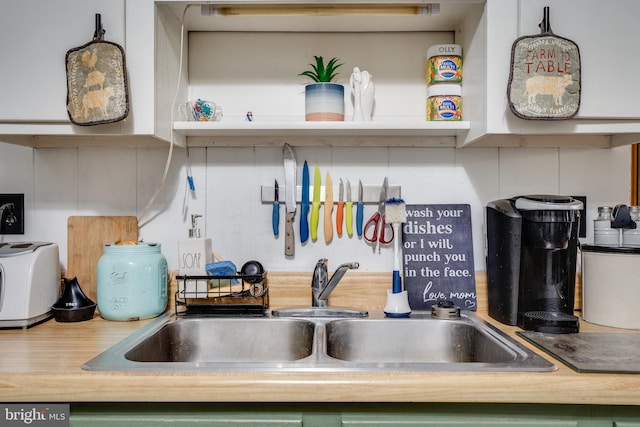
(236, 294)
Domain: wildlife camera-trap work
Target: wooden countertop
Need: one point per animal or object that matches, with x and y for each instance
(43, 364)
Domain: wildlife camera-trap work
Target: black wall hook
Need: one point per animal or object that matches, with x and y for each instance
(99, 32)
(545, 25)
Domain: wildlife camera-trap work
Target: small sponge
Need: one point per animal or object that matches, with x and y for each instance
(223, 268)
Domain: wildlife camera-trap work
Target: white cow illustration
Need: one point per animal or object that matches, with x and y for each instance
(96, 99)
(547, 85)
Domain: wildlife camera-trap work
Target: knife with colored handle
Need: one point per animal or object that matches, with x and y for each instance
(359, 210)
(304, 204)
(339, 212)
(275, 216)
(349, 211)
(328, 209)
(315, 203)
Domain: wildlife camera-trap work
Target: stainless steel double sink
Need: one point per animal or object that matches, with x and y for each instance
(276, 344)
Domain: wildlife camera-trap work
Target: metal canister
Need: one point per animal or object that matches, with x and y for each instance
(131, 282)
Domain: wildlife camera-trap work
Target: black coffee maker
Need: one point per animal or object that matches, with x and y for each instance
(532, 244)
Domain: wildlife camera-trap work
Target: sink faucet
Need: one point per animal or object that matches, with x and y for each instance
(321, 288)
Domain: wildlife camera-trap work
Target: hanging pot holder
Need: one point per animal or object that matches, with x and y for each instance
(544, 82)
(97, 89)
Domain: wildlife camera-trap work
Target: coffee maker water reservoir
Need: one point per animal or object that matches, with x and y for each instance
(532, 244)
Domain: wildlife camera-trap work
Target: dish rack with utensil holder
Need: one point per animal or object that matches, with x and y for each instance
(235, 294)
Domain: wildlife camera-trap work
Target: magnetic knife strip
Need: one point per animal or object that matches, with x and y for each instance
(370, 193)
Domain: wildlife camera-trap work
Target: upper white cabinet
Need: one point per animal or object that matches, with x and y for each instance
(35, 37)
(606, 34)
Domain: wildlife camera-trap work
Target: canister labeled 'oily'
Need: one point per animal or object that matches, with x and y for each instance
(131, 282)
(444, 64)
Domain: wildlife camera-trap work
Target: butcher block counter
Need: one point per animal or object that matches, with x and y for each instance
(43, 364)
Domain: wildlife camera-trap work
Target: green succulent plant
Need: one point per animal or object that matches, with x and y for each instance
(322, 73)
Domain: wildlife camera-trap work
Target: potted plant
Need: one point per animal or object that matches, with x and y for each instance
(324, 100)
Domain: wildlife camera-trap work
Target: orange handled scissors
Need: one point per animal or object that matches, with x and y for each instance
(375, 230)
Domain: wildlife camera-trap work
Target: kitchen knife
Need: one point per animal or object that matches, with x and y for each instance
(359, 210)
(315, 204)
(339, 212)
(328, 209)
(289, 198)
(304, 205)
(275, 215)
(349, 211)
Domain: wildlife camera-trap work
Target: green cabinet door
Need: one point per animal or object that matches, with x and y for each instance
(182, 415)
(261, 414)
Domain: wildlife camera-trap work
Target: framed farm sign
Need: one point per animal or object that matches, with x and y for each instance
(544, 81)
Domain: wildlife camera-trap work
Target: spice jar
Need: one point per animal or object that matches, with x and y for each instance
(444, 102)
(131, 281)
(444, 64)
(603, 233)
(631, 236)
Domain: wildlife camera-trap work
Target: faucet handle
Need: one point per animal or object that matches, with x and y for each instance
(351, 265)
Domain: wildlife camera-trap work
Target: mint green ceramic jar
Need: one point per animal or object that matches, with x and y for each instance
(131, 282)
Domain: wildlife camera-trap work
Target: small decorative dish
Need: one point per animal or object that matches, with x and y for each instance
(200, 111)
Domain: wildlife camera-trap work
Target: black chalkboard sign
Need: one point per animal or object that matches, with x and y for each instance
(438, 256)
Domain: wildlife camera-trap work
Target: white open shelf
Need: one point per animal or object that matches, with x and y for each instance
(239, 132)
(240, 127)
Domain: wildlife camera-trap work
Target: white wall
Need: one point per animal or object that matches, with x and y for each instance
(58, 183)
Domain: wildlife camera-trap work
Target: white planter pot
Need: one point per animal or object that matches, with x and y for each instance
(324, 102)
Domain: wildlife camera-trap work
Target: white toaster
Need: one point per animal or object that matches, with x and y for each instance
(29, 282)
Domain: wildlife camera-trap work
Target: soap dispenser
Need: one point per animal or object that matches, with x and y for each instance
(194, 253)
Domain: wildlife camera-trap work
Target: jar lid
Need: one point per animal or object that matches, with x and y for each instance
(444, 89)
(444, 50)
(141, 247)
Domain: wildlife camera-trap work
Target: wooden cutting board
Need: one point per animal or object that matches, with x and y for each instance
(86, 236)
